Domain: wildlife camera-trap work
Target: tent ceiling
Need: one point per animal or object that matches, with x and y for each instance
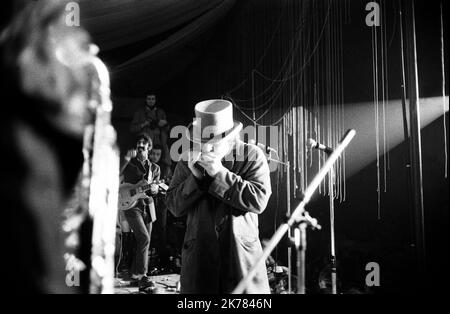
(145, 35)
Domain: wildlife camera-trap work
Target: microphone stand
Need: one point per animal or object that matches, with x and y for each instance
(299, 239)
(300, 245)
(288, 213)
(333, 250)
(298, 216)
(331, 178)
(299, 232)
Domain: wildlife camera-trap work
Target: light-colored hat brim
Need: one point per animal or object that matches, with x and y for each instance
(237, 127)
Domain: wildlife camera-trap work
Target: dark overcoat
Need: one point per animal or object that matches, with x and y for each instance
(222, 236)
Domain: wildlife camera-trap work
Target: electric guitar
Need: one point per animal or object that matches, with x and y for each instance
(130, 194)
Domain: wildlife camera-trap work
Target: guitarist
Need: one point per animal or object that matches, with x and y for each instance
(142, 216)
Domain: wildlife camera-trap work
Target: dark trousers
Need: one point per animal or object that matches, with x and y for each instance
(142, 233)
(160, 230)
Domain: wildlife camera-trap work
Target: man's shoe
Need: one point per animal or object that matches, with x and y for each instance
(135, 280)
(145, 283)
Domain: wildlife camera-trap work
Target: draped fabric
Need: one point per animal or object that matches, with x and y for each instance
(119, 24)
(186, 34)
(116, 23)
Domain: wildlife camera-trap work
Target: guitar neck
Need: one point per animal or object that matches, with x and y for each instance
(147, 186)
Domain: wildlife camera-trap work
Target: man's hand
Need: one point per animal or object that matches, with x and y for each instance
(162, 123)
(132, 153)
(212, 164)
(154, 189)
(192, 159)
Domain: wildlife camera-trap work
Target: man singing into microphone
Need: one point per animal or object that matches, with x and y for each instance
(222, 186)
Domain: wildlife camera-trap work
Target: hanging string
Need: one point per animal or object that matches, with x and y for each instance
(266, 49)
(343, 175)
(292, 98)
(294, 120)
(283, 72)
(332, 95)
(272, 99)
(383, 94)
(316, 93)
(336, 98)
(376, 106)
(386, 89)
(443, 92)
(307, 92)
(394, 27)
(348, 17)
(275, 221)
(287, 67)
(340, 101)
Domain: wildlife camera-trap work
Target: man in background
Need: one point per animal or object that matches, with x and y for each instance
(152, 120)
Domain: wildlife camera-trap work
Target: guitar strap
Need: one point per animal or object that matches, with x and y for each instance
(150, 173)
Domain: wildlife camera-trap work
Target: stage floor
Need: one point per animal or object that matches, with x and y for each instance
(165, 284)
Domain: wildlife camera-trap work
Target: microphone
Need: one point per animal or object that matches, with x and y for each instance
(265, 148)
(316, 145)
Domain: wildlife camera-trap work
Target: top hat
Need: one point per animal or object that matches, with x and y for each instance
(213, 122)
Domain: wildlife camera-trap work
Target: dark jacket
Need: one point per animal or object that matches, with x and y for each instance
(154, 116)
(136, 171)
(222, 236)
